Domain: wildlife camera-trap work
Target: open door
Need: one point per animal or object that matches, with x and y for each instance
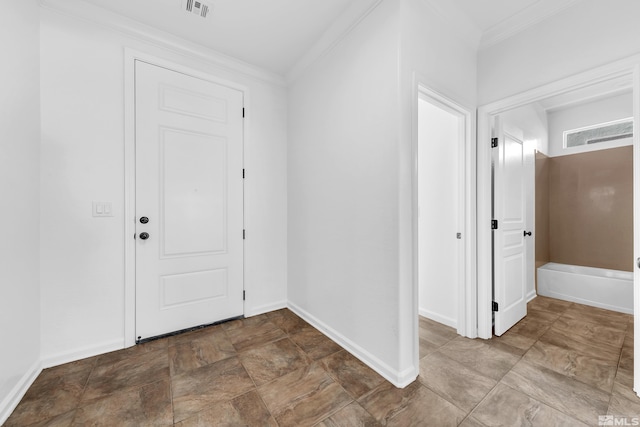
(509, 215)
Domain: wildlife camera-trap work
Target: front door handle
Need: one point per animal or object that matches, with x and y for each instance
(527, 233)
(638, 262)
(144, 236)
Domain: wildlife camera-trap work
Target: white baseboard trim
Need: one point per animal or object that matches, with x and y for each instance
(398, 379)
(448, 321)
(82, 353)
(10, 402)
(266, 308)
(531, 295)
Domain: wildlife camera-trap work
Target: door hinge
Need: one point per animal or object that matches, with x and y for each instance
(494, 306)
(494, 224)
(242, 173)
(458, 236)
(494, 142)
(244, 234)
(243, 112)
(244, 295)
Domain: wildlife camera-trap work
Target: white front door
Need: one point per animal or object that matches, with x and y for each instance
(509, 204)
(189, 201)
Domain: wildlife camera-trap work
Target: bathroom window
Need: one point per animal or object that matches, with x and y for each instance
(604, 132)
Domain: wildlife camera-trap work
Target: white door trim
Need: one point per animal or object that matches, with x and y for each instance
(629, 67)
(130, 56)
(467, 290)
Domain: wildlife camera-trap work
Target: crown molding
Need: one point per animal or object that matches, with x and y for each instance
(526, 18)
(348, 21)
(145, 33)
(455, 18)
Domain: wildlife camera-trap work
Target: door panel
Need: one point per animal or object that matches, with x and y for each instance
(509, 245)
(189, 271)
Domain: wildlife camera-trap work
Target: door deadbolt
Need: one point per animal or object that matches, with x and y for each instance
(144, 236)
(144, 220)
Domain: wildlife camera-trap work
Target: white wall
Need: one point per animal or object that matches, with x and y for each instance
(437, 53)
(343, 178)
(582, 37)
(19, 181)
(351, 169)
(588, 114)
(82, 270)
(439, 168)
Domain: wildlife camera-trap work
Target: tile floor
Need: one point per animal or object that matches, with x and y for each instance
(564, 364)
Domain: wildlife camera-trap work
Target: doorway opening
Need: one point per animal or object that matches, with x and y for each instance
(584, 186)
(444, 222)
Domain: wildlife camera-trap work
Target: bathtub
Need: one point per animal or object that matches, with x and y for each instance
(609, 289)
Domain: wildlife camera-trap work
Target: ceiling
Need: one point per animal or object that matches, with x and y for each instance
(276, 34)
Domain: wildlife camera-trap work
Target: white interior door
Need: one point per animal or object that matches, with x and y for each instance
(189, 201)
(509, 251)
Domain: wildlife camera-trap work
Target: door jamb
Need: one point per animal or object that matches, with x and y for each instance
(467, 289)
(130, 56)
(630, 67)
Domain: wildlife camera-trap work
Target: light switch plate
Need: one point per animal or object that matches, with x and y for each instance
(102, 209)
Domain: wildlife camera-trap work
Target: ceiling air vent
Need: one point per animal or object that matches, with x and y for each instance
(197, 7)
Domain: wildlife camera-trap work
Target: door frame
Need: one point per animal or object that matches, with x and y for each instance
(130, 57)
(467, 287)
(626, 67)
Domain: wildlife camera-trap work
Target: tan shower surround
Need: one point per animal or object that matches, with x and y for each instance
(590, 209)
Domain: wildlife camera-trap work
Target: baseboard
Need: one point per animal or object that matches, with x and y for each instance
(266, 308)
(438, 318)
(531, 295)
(9, 403)
(82, 353)
(398, 379)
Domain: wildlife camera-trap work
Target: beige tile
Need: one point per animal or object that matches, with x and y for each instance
(435, 333)
(273, 360)
(624, 402)
(290, 322)
(425, 408)
(624, 377)
(507, 407)
(591, 332)
(549, 304)
(304, 397)
(149, 405)
(63, 420)
(530, 328)
(140, 369)
(460, 385)
(471, 422)
(198, 334)
(567, 395)
(491, 361)
(626, 359)
(249, 333)
(611, 319)
(202, 350)
(590, 370)
(315, 344)
(352, 415)
(580, 344)
(135, 351)
(385, 401)
(195, 390)
(246, 410)
(353, 375)
(427, 347)
(543, 315)
(518, 344)
(49, 396)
